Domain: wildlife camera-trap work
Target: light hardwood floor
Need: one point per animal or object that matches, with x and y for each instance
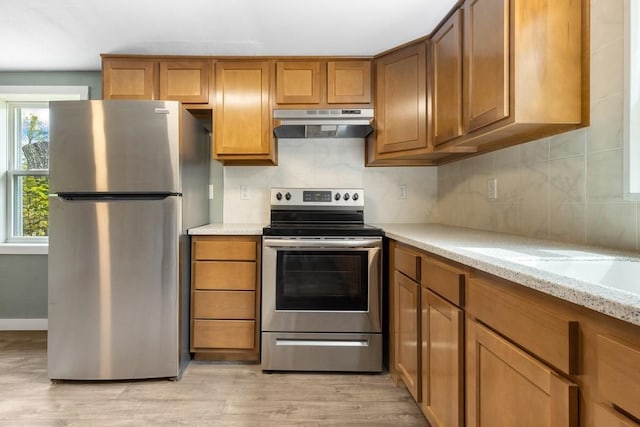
(209, 394)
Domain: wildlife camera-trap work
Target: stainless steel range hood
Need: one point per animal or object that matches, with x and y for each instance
(328, 123)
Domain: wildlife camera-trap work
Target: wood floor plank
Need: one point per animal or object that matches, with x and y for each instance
(209, 394)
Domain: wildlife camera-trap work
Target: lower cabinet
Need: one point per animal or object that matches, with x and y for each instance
(442, 361)
(507, 387)
(477, 350)
(225, 297)
(407, 338)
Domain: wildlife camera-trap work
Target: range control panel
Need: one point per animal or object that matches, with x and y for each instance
(301, 197)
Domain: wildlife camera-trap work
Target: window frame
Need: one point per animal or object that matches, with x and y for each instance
(10, 244)
(14, 129)
(631, 120)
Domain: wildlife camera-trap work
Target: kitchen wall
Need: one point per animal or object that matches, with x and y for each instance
(330, 163)
(23, 278)
(568, 187)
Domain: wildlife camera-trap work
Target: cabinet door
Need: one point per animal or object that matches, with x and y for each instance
(401, 100)
(406, 312)
(298, 82)
(446, 58)
(348, 82)
(442, 361)
(486, 47)
(123, 79)
(507, 387)
(242, 113)
(185, 81)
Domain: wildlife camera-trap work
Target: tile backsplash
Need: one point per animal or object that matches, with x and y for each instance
(567, 187)
(330, 163)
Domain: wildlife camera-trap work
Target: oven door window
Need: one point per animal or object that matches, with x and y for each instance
(322, 280)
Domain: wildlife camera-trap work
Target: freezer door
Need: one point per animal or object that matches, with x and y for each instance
(114, 146)
(113, 289)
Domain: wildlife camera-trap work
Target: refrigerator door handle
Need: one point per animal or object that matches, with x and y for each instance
(115, 196)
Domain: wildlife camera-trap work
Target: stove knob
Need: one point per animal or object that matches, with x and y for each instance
(337, 196)
(355, 196)
(287, 196)
(279, 196)
(346, 196)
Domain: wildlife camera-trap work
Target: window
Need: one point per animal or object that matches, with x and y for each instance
(28, 170)
(24, 142)
(632, 100)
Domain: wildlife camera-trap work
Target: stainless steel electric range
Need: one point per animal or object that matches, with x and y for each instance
(321, 283)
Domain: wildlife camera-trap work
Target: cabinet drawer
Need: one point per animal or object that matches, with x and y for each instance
(223, 275)
(618, 374)
(544, 333)
(604, 416)
(407, 262)
(235, 334)
(225, 250)
(444, 279)
(224, 305)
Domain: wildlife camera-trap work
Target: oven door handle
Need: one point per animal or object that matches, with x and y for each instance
(322, 243)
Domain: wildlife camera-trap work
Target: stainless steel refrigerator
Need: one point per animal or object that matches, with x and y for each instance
(127, 179)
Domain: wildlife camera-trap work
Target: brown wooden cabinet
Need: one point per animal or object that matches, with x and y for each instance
(506, 386)
(524, 75)
(185, 80)
(401, 136)
(446, 83)
(401, 107)
(323, 83)
(406, 318)
(618, 375)
(407, 323)
(128, 79)
(525, 354)
(225, 297)
(349, 82)
(442, 318)
(298, 82)
(487, 53)
(243, 128)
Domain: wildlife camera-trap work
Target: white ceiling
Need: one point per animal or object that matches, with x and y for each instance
(71, 34)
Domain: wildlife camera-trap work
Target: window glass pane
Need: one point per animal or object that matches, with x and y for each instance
(31, 206)
(34, 138)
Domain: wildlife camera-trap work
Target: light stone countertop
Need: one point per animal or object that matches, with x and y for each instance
(599, 279)
(227, 229)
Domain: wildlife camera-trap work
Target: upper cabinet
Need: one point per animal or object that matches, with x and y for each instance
(500, 73)
(243, 128)
(524, 71)
(401, 107)
(128, 79)
(349, 82)
(298, 82)
(401, 136)
(487, 62)
(494, 73)
(183, 80)
(446, 83)
(322, 83)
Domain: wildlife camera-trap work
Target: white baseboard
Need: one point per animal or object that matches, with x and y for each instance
(24, 324)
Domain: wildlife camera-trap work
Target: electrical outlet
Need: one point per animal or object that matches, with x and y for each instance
(402, 191)
(210, 191)
(244, 192)
(492, 189)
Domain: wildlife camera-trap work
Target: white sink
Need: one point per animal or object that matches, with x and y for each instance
(595, 268)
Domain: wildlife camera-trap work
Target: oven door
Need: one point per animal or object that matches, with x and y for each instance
(321, 284)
